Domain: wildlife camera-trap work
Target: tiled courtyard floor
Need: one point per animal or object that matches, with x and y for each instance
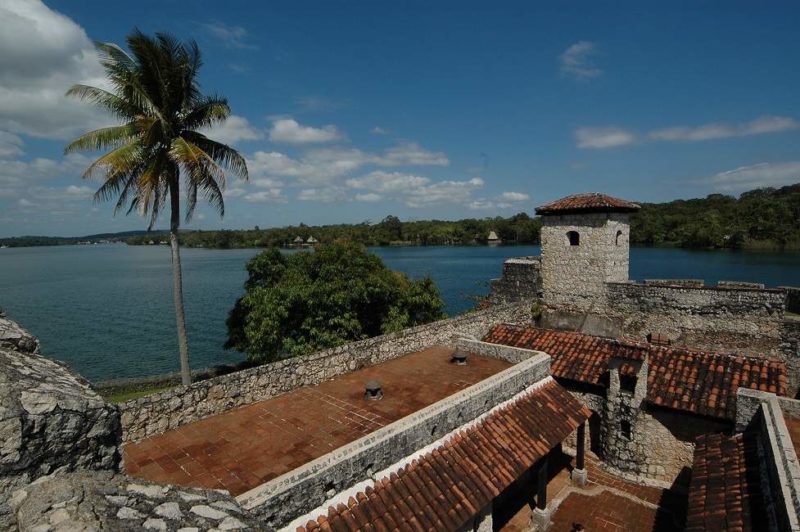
(245, 447)
(605, 503)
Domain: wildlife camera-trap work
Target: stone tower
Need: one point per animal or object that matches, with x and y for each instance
(585, 244)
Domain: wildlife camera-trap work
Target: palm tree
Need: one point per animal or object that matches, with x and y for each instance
(155, 93)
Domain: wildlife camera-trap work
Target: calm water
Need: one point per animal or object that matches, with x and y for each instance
(107, 311)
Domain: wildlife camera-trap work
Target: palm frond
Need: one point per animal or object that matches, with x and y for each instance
(107, 137)
(222, 154)
(208, 111)
(119, 107)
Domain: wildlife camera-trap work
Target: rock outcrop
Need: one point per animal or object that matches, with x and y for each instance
(50, 419)
(108, 501)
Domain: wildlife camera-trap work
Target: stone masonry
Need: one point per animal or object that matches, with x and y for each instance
(103, 500)
(574, 274)
(521, 280)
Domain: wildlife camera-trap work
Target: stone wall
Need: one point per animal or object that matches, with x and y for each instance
(521, 281)
(792, 299)
(172, 408)
(574, 276)
(89, 501)
(50, 419)
(726, 319)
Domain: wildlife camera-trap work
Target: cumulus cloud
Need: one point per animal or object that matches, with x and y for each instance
(271, 195)
(381, 181)
(377, 130)
(289, 131)
(324, 195)
(443, 192)
(43, 54)
(10, 145)
(759, 126)
(603, 137)
(576, 61)
(612, 136)
(230, 36)
(368, 197)
(319, 166)
(234, 129)
(17, 175)
(506, 200)
(756, 176)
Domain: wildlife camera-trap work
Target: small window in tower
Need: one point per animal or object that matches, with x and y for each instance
(626, 429)
(619, 235)
(574, 238)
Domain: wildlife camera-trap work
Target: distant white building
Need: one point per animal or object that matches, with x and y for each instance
(311, 240)
(493, 238)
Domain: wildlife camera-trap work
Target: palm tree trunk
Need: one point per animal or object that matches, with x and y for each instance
(177, 285)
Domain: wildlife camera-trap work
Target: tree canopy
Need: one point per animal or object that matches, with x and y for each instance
(298, 303)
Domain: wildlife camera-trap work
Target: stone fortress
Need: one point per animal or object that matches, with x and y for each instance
(576, 397)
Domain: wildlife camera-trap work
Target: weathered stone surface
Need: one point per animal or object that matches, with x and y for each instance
(89, 501)
(170, 409)
(521, 281)
(14, 337)
(50, 419)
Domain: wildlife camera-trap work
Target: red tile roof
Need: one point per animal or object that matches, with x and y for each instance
(446, 487)
(593, 202)
(725, 490)
(694, 381)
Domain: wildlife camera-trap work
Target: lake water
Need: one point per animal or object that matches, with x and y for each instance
(107, 311)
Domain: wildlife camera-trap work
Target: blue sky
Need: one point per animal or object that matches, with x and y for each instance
(350, 111)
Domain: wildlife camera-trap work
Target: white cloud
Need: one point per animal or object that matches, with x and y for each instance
(16, 175)
(43, 54)
(10, 145)
(759, 126)
(290, 131)
(320, 166)
(234, 129)
(266, 182)
(377, 130)
(234, 192)
(756, 176)
(443, 192)
(603, 137)
(272, 195)
(514, 196)
(368, 197)
(413, 190)
(230, 36)
(325, 195)
(506, 200)
(612, 136)
(576, 61)
(380, 181)
(22, 202)
(411, 153)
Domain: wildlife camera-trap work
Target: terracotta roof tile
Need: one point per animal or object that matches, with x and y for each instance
(700, 382)
(725, 490)
(593, 202)
(447, 486)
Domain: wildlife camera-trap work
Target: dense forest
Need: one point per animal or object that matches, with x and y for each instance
(767, 218)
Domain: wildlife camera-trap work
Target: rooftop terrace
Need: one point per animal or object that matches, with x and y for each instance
(245, 447)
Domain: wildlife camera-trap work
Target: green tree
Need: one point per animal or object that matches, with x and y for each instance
(155, 93)
(303, 302)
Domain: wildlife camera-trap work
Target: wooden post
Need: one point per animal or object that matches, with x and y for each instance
(541, 491)
(579, 459)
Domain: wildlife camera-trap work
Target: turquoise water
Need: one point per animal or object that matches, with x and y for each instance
(107, 311)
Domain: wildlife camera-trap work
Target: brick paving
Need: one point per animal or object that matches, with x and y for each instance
(243, 448)
(607, 502)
